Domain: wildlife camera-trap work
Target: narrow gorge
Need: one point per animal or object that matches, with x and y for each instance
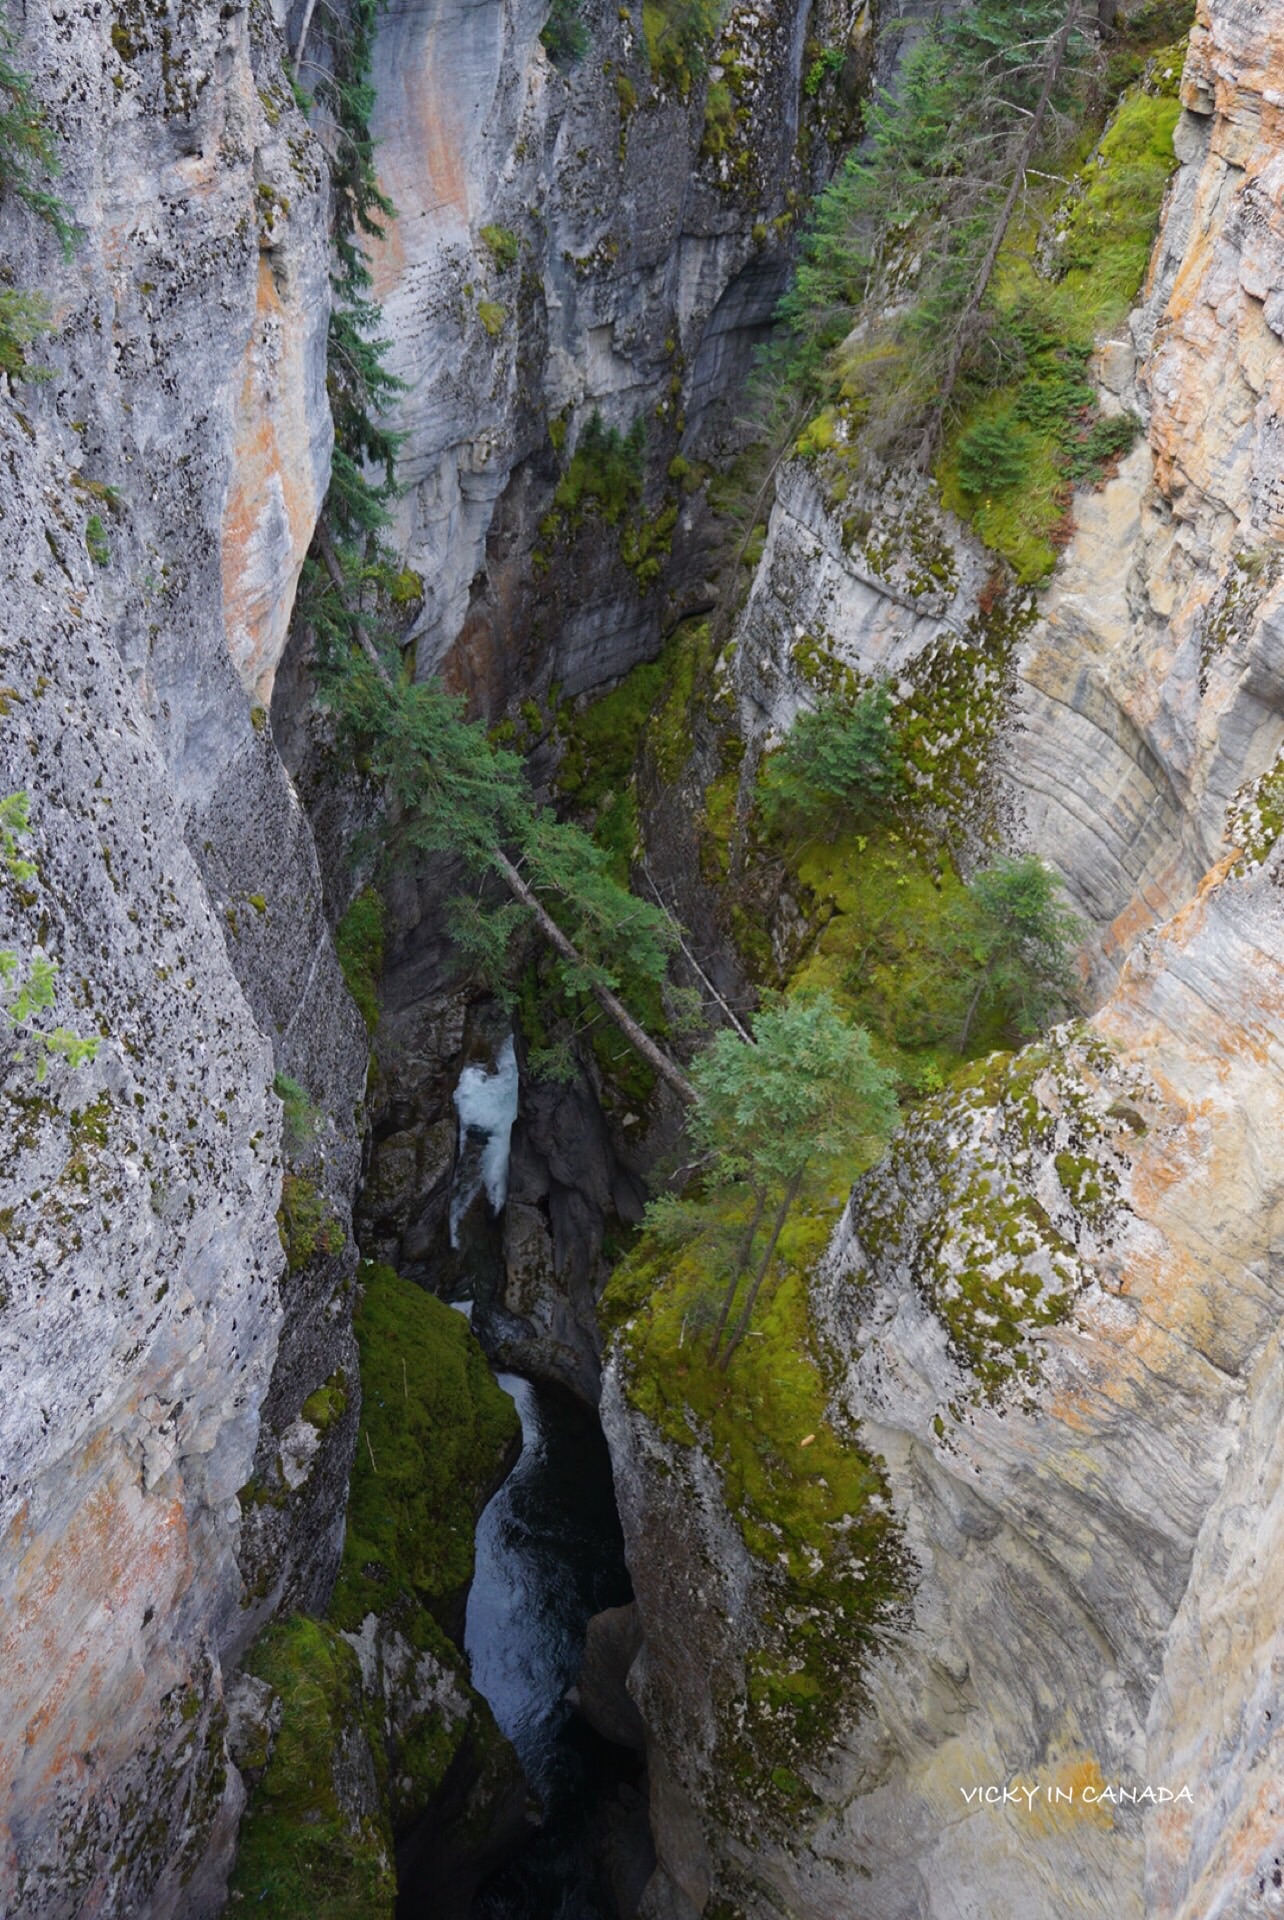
(641, 759)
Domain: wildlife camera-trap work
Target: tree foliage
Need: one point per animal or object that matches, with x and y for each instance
(1023, 944)
(28, 156)
(449, 788)
(806, 1090)
(28, 166)
(564, 34)
(837, 763)
(918, 210)
(452, 791)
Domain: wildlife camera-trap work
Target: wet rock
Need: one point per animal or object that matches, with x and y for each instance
(601, 1694)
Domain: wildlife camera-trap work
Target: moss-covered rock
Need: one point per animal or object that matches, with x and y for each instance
(998, 1200)
(316, 1842)
(376, 1708)
(807, 1497)
(436, 1435)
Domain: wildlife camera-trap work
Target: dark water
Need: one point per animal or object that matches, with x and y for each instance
(550, 1554)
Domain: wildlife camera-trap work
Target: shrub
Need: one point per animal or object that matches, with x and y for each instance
(993, 456)
(504, 246)
(841, 761)
(565, 36)
(606, 469)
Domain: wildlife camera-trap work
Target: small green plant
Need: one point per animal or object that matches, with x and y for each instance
(301, 1120)
(358, 941)
(28, 991)
(504, 246)
(830, 61)
(565, 36)
(96, 541)
(492, 316)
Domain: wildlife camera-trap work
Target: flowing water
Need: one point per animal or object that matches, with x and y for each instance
(549, 1554)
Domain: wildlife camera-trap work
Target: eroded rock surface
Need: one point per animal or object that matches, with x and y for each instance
(157, 497)
(1052, 1312)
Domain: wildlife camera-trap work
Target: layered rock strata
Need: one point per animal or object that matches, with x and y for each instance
(1052, 1312)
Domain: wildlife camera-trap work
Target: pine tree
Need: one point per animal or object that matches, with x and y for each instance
(807, 1089)
(918, 213)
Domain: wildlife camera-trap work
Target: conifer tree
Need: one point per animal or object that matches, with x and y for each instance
(918, 213)
(808, 1088)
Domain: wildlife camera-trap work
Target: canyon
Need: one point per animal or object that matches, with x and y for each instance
(1063, 1575)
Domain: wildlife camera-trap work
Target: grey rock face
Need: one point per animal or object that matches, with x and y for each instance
(151, 1346)
(1054, 1308)
(631, 265)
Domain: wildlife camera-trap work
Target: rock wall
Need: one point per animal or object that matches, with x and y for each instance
(158, 493)
(573, 239)
(1052, 1312)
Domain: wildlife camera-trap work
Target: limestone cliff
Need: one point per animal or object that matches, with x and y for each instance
(158, 494)
(1052, 1312)
(180, 1374)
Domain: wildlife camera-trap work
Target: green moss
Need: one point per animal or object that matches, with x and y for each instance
(504, 246)
(959, 1203)
(810, 1501)
(328, 1404)
(302, 1855)
(887, 948)
(307, 1228)
(358, 941)
(435, 1434)
(603, 739)
(1011, 462)
(492, 316)
(1256, 817)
